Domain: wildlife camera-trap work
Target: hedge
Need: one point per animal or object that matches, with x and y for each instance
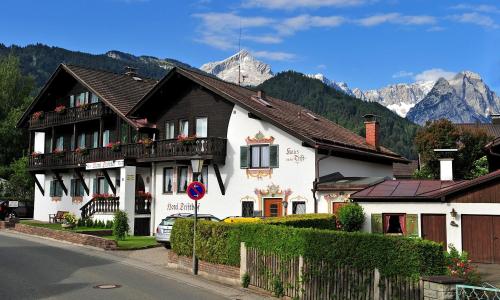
(219, 242)
(323, 221)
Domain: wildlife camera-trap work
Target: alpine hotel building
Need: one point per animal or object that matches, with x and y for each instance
(103, 141)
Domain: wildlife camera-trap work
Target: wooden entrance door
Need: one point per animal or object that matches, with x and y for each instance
(480, 238)
(336, 206)
(434, 228)
(273, 208)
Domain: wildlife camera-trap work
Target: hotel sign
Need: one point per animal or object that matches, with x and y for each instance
(105, 164)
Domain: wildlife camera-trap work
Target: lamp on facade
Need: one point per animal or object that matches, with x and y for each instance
(196, 164)
(285, 205)
(453, 213)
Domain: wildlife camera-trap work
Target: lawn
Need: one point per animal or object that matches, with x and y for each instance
(135, 242)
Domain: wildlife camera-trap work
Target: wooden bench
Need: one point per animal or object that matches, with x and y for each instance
(57, 217)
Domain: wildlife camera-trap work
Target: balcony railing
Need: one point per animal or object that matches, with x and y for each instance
(70, 115)
(208, 148)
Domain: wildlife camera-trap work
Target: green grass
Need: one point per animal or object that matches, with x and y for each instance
(135, 242)
(57, 226)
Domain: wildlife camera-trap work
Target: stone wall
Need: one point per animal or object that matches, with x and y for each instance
(440, 287)
(220, 273)
(72, 237)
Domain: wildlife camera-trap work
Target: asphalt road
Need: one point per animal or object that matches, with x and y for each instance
(33, 270)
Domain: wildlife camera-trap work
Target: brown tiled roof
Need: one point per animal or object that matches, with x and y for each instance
(402, 171)
(298, 121)
(119, 90)
(418, 190)
(491, 129)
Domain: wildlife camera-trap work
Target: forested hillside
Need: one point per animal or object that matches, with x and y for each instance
(397, 133)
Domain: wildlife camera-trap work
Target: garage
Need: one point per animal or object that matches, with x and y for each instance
(481, 238)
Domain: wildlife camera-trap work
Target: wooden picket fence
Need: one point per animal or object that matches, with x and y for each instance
(299, 278)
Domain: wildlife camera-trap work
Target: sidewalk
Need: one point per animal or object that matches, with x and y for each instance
(153, 260)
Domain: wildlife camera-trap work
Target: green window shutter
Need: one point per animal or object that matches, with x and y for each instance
(244, 157)
(106, 187)
(273, 156)
(377, 224)
(52, 189)
(412, 225)
(72, 192)
(94, 186)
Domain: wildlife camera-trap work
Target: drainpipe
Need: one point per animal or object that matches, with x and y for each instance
(316, 179)
(153, 193)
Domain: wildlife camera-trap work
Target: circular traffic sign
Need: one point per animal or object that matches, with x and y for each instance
(196, 190)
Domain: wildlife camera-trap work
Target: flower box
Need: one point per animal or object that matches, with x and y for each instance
(58, 152)
(82, 151)
(186, 139)
(147, 142)
(38, 115)
(114, 146)
(60, 109)
(36, 154)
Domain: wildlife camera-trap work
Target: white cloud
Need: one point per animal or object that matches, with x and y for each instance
(293, 4)
(434, 74)
(271, 55)
(263, 39)
(476, 19)
(402, 74)
(396, 18)
(303, 22)
(485, 8)
(321, 66)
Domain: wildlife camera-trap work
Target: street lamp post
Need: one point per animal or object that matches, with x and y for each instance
(196, 166)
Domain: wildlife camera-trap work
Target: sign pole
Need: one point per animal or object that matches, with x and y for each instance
(195, 259)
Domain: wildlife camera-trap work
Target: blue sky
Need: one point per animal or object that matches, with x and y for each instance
(367, 43)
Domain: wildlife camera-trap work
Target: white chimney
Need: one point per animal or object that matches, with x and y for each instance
(445, 163)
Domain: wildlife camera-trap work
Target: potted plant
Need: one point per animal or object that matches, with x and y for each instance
(147, 142)
(60, 109)
(82, 151)
(36, 154)
(186, 139)
(69, 220)
(58, 152)
(37, 115)
(114, 146)
(84, 106)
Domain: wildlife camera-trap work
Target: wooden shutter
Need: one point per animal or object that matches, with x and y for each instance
(106, 187)
(52, 189)
(94, 186)
(412, 225)
(244, 157)
(72, 191)
(377, 224)
(273, 156)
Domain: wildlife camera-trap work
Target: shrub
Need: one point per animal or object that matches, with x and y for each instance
(351, 217)
(81, 222)
(320, 221)
(120, 225)
(70, 218)
(109, 224)
(245, 280)
(219, 242)
(89, 223)
(459, 265)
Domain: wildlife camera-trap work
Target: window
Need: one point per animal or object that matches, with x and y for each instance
(201, 127)
(105, 137)
(101, 185)
(95, 139)
(94, 98)
(184, 127)
(247, 209)
(56, 189)
(259, 156)
(203, 177)
(298, 207)
(72, 101)
(394, 223)
(124, 129)
(77, 189)
(182, 179)
(169, 130)
(81, 141)
(72, 142)
(168, 178)
(60, 143)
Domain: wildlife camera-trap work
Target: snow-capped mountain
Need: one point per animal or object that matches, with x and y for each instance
(400, 97)
(339, 86)
(252, 71)
(463, 99)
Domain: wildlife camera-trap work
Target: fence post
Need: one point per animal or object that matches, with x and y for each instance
(243, 259)
(301, 277)
(376, 287)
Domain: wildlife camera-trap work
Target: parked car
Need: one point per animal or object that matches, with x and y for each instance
(164, 230)
(20, 209)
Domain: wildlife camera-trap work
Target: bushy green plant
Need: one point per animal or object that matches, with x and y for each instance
(278, 289)
(89, 222)
(320, 221)
(219, 242)
(70, 218)
(459, 265)
(120, 225)
(80, 223)
(351, 217)
(109, 224)
(245, 280)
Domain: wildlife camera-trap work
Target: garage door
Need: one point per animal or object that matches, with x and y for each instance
(480, 238)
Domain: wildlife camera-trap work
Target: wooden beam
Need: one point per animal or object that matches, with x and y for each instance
(38, 184)
(74, 137)
(101, 129)
(219, 179)
(58, 177)
(80, 176)
(108, 179)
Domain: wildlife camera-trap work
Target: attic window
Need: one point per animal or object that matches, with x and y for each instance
(137, 78)
(312, 116)
(262, 101)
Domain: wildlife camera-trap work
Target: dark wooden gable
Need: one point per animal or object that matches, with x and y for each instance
(182, 99)
(488, 192)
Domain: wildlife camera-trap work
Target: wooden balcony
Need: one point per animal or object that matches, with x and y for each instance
(71, 115)
(213, 149)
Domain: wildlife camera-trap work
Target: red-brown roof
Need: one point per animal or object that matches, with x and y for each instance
(491, 129)
(418, 190)
(404, 171)
(299, 121)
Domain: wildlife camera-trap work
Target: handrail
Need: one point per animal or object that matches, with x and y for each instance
(70, 115)
(103, 205)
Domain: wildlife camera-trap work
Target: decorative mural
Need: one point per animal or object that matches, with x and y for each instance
(271, 191)
(259, 138)
(294, 155)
